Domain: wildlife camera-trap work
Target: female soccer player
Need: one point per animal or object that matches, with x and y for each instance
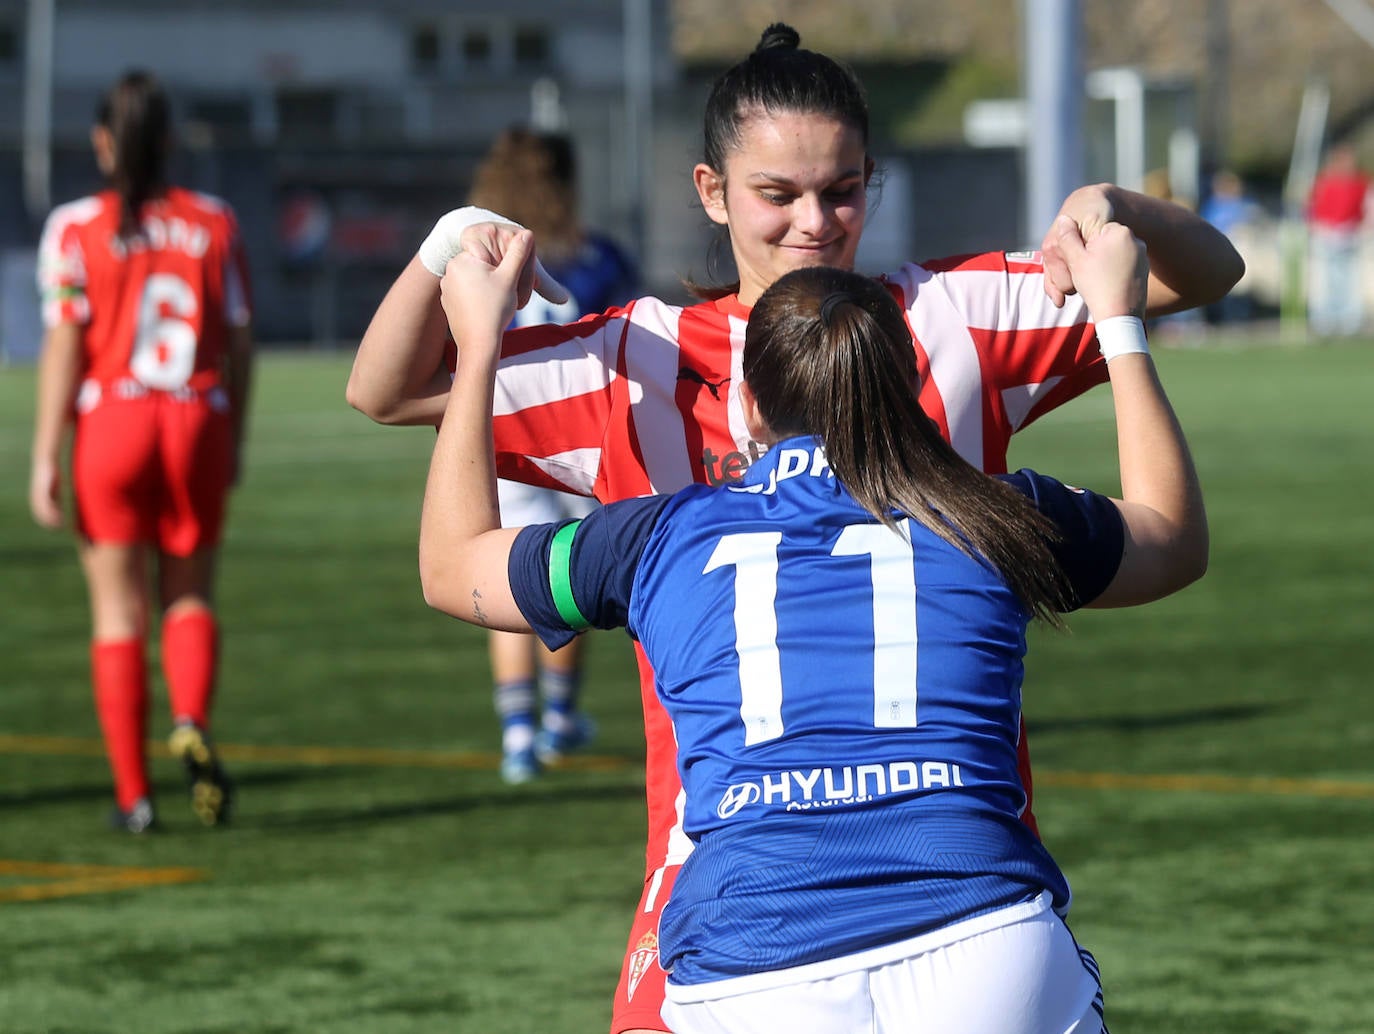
(838, 640)
(148, 355)
(645, 398)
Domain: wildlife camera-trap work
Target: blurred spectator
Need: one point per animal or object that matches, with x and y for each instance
(1233, 213)
(530, 177)
(1335, 216)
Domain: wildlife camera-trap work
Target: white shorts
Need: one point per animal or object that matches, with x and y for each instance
(1027, 977)
(525, 504)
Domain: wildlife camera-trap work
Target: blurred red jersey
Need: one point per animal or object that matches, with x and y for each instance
(156, 307)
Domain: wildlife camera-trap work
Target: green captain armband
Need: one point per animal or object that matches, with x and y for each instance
(560, 577)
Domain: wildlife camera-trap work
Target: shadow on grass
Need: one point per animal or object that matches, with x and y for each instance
(1220, 715)
(162, 789)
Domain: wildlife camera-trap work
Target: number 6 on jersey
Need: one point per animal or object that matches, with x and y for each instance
(164, 352)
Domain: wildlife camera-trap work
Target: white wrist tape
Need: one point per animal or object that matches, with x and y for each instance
(1121, 335)
(446, 240)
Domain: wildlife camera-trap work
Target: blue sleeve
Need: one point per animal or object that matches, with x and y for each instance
(605, 552)
(1091, 533)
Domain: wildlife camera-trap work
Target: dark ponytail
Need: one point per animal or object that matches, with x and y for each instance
(137, 114)
(828, 353)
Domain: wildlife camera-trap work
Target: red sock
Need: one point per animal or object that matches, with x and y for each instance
(190, 654)
(120, 674)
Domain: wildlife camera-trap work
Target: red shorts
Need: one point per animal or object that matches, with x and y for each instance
(152, 466)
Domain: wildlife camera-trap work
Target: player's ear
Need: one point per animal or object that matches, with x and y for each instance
(102, 143)
(754, 422)
(711, 190)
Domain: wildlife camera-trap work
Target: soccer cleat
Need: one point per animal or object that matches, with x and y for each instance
(212, 794)
(550, 746)
(519, 766)
(138, 819)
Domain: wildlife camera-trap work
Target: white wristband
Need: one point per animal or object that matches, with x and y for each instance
(446, 240)
(1121, 335)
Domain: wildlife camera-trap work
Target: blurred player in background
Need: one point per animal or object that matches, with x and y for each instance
(148, 355)
(838, 639)
(1335, 219)
(531, 177)
(646, 399)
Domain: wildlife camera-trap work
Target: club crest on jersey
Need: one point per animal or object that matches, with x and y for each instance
(644, 956)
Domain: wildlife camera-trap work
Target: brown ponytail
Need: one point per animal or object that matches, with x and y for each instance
(828, 353)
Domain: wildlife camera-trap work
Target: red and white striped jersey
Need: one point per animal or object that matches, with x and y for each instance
(155, 307)
(645, 399)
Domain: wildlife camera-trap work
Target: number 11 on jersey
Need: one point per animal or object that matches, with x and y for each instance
(892, 584)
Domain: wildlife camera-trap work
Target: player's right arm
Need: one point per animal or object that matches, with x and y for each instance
(399, 375)
(59, 373)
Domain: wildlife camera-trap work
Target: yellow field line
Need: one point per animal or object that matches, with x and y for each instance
(382, 757)
(378, 757)
(63, 880)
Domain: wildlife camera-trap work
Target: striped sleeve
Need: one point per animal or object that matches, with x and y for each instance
(995, 352)
(62, 265)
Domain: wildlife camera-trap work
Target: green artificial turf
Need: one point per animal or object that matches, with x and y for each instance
(1205, 764)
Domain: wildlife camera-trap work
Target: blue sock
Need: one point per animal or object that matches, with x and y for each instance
(561, 690)
(515, 707)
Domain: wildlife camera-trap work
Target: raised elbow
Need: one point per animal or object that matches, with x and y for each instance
(368, 403)
(1188, 559)
(1195, 565)
(434, 577)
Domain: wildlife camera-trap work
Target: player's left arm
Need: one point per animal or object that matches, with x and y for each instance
(238, 382)
(238, 357)
(1192, 263)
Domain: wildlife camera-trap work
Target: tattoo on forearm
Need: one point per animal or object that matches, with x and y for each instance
(478, 613)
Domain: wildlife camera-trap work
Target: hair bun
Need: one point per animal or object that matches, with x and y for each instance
(779, 35)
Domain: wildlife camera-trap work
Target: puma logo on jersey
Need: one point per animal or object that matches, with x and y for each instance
(688, 374)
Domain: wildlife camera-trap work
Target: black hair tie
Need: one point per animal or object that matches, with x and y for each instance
(831, 300)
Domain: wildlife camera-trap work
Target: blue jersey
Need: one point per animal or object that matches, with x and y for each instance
(846, 700)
